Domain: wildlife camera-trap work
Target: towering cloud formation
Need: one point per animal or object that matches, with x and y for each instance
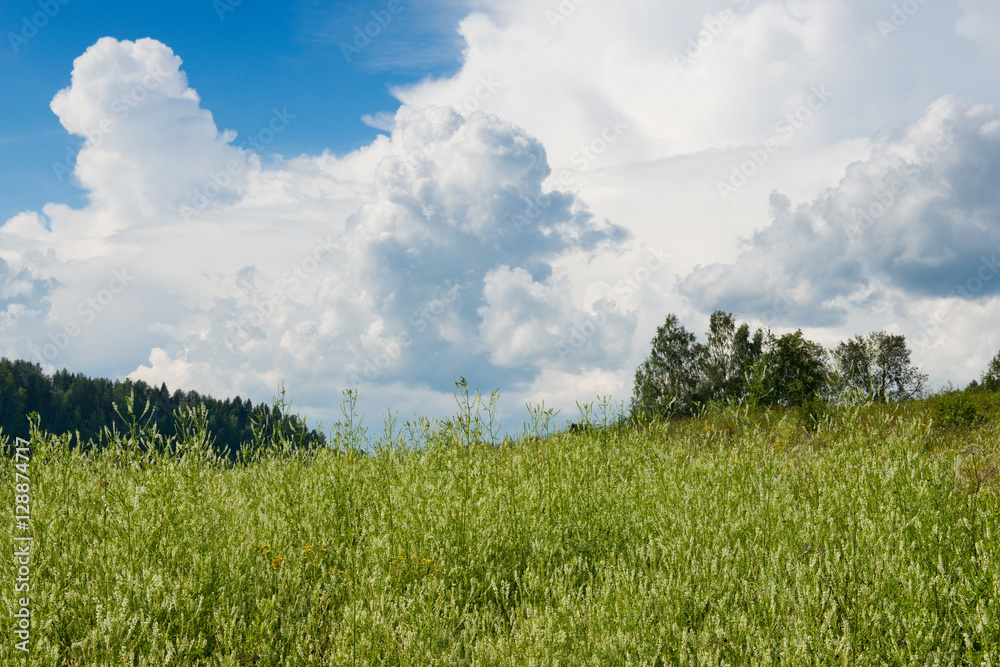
(430, 254)
(447, 247)
(462, 211)
(149, 146)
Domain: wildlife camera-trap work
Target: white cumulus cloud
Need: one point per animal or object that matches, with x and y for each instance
(501, 228)
(193, 264)
(921, 215)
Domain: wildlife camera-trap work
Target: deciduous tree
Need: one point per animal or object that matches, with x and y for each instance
(791, 371)
(667, 382)
(681, 373)
(875, 368)
(728, 358)
(991, 376)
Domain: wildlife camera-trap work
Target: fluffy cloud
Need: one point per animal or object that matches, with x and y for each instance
(531, 323)
(458, 242)
(697, 89)
(921, 216)
(694, 87)
(149, 146)
(979, 23)
(194, 265)
(686, 78)
(454, 198)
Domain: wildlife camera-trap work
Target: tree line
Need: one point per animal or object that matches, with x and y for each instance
(738, 366)
(74, 403)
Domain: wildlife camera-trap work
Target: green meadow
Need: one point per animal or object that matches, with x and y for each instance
(859, 536)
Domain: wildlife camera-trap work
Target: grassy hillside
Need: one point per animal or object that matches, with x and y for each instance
(870, 538)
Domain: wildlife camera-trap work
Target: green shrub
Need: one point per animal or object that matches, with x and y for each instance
(812, 413)
(957, 410)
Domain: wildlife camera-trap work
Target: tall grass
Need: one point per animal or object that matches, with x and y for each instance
(735, 538)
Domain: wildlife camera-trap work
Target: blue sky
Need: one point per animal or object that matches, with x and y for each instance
(244, 60)
(516, 192)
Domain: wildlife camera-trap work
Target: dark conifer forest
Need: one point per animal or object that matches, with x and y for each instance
(74, 403)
